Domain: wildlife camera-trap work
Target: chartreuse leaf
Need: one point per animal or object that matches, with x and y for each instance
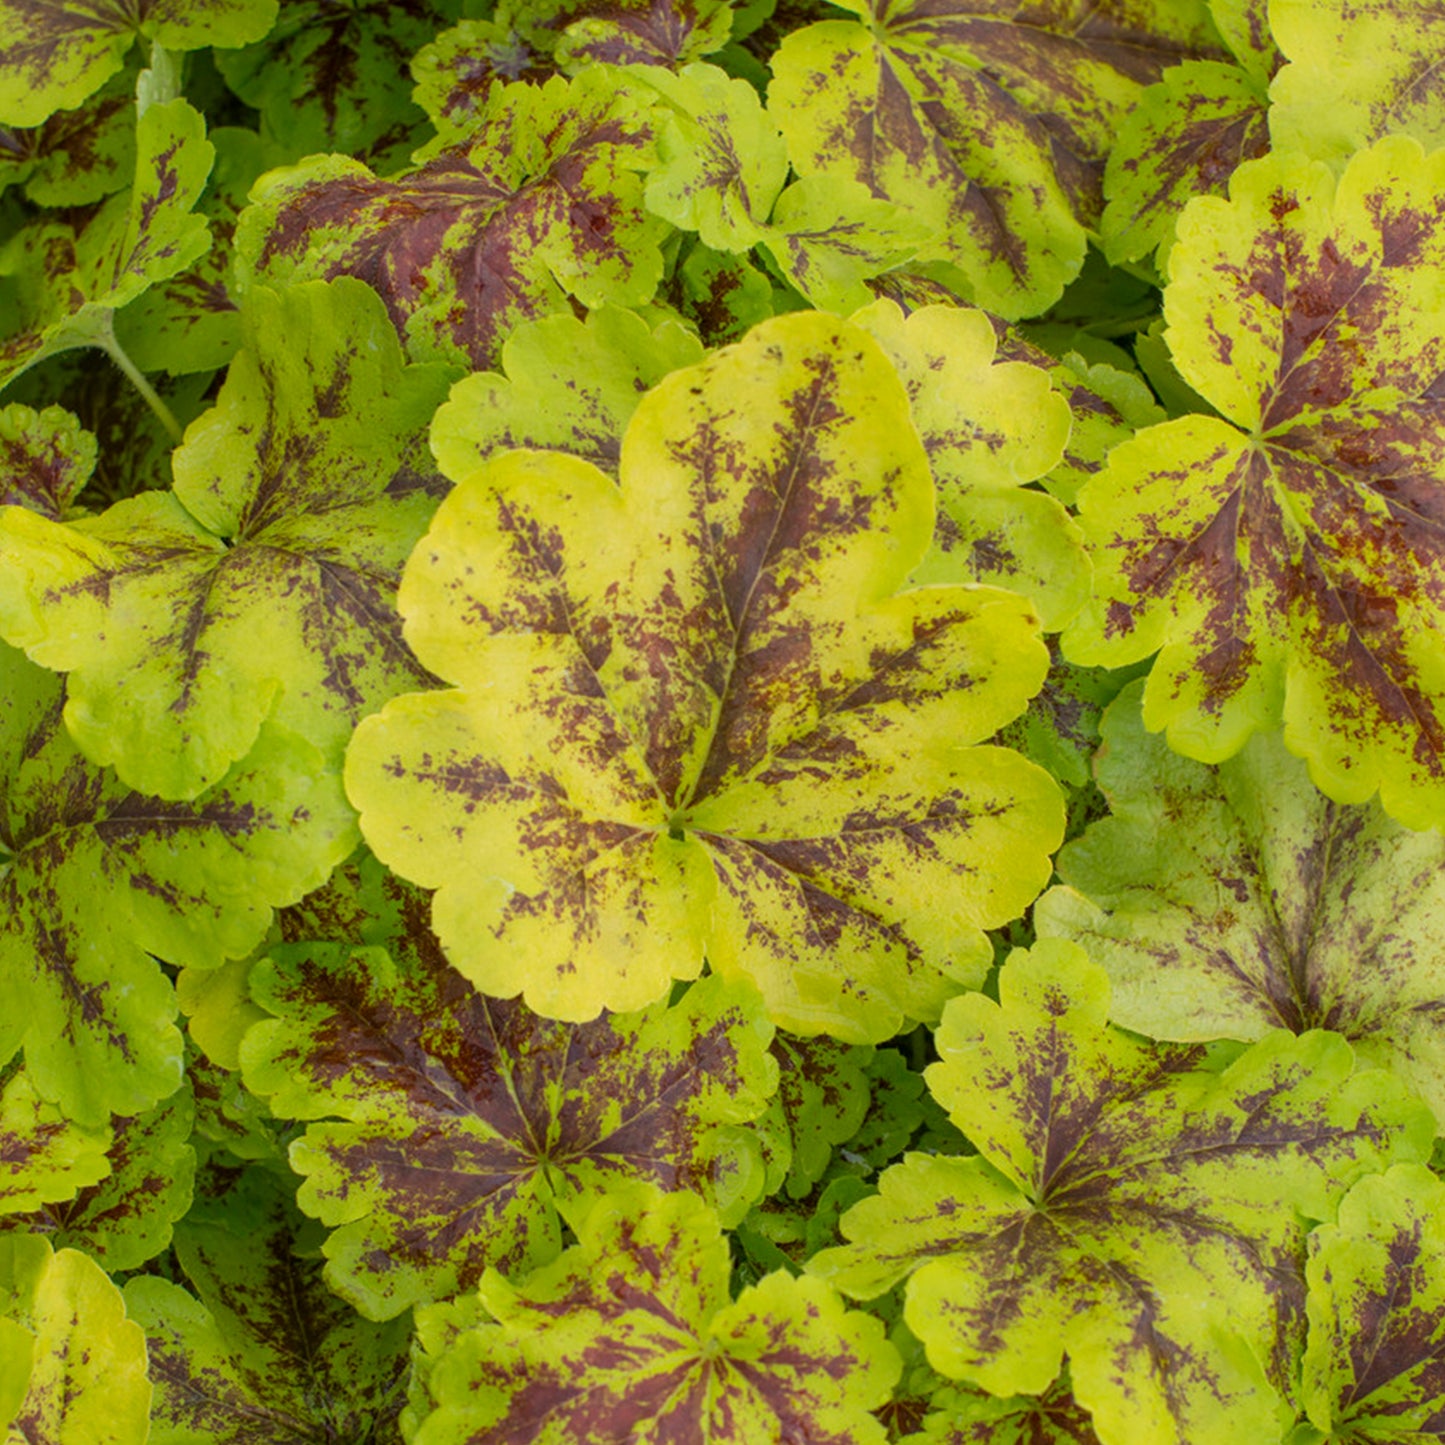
(86, 1376)
(95, 878)
(631, 1335)
(455, 72)
(1227, 901)
(693, 713)
(988, 127)
(262, 1353)
(1374, 1369)
(1130, 1206)
(60, 285)
(973, 1417)
(724, 296)
(293, 507)
(1286, 557)
(1358, 70)
(469, 1122)
(44, 1158)
(642, 32)
(46, 458)
(125, 1218)
(329, 78)
(988, 427)
(54, 55)
(544, 204)
(821, 1100)
(79, 156)
(568, 385)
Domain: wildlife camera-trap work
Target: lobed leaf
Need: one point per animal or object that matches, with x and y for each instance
(44, 1157)
(693, 713)
(46, 458)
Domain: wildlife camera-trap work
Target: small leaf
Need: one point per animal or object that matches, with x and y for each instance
(44, 1158)
(46, 458)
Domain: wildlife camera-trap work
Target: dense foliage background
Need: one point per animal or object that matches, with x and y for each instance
(722, 722)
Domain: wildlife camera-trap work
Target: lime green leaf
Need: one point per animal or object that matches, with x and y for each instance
(54, 55)
(545, 204)
(266, 1355)
(293, 507)
(829, 235)
(46, 458)
(721, 159)
(1246, 28)
(96, 878)
(988, 427)
(1129, 1205)
(44, 1158)
(1286, 558)
(723, 296)
(87, 1377)
(631, 1335)
(1228, 901)
(125, 1219)
(643, 32)
(1184, 139)
(469, 1123)
(569, 385)
(333, 78)
(1373, 1370)
(694, 713)
(62, 284)
(822, 1098)
(1358, 70)
(233, 1127)
(989, 128)
(972, 1417)
(77, 157)
(189, 323)
(455, 72)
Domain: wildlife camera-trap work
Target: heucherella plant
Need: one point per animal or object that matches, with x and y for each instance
(722, 722)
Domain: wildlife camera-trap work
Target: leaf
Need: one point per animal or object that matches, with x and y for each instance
(1286, 557)
(1356, 72)
(333, 78)
(631, 1335)
(972, 1417)
(77, 157)
(87, 1376)
(293, 507)
(471, 1123)
(189, 322)
(544, 205)
(644, 32)
(96, 878)
(569, 385)
(1373, 1368)
(61, 285)
(722, 161)
(988, 127)
(456, 71)
(1225, 902)
(724, 730)
(54, 55)
(44, 1158)
(1129, 1205)
(989, 427)
(263, 1353)
(723, 296)
(821, 1100)
(125, 1219)
(46, 458)
(1185, 138)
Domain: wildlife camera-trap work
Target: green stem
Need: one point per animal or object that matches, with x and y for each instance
(136, 377)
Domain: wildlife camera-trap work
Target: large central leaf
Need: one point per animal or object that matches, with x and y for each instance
(1287, 556)
(693, 713)
(1129, 1204)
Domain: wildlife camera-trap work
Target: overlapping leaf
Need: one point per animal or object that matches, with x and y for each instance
(1129, 1205)
(471, 1122)
(78, 156)
(44, 1157)
(60, 285)
(568, 385)
(973, 1417)
(693, 714)
(988, 126)
(295, 502)
(631, 1335)
(46, 458)
(543, 205)
(56, 53)
(96, 878)
(262, 1353)
(1225, 902)
(72, 1365)
(1375, 1366)
(989, 427)
(1286, 557)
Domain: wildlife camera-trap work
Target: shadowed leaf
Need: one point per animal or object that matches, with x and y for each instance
(46, 458)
